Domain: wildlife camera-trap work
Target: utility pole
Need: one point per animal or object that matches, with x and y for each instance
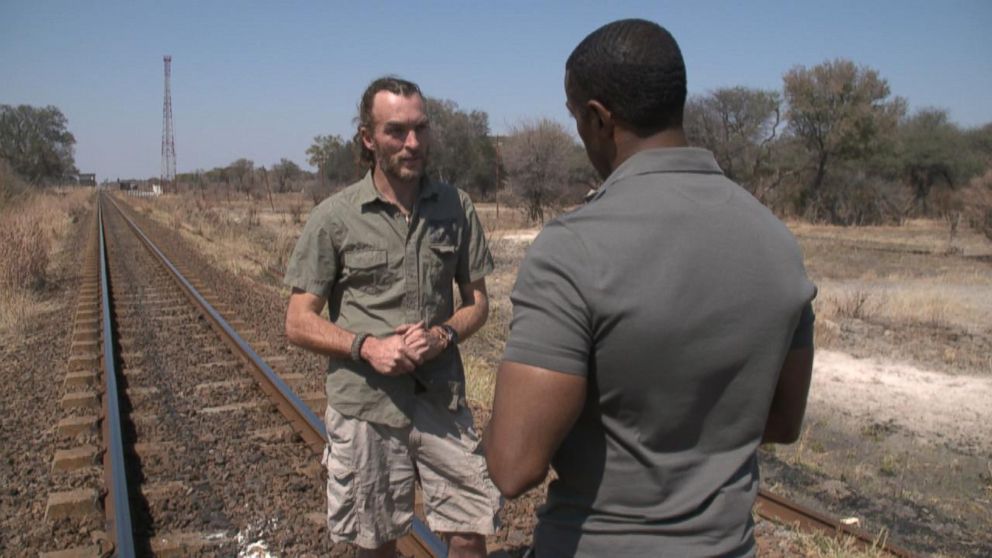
(497, 179)
(168, 138)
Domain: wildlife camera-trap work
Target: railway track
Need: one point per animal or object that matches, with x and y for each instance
(196, 431)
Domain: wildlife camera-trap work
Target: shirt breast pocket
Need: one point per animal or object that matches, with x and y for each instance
(442, 239)
(367, 270)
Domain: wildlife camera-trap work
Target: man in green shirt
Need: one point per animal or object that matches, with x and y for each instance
(382, 255)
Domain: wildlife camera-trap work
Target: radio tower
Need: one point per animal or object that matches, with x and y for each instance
(168, 139)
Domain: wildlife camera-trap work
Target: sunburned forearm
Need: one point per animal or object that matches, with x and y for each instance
(474, 311)
(469, 318)
(314, 333)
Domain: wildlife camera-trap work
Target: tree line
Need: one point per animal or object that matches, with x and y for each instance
(36, 148)
(833, 145)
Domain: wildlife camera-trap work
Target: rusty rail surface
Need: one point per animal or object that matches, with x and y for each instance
(422, 542)
(782, 510)
(117, 504)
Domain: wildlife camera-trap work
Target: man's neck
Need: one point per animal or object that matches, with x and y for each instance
(402, 193)
(629, 144)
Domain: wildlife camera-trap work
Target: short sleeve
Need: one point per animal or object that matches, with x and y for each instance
(803, 336)
(552, 323)
(313, 266)
(474, 259)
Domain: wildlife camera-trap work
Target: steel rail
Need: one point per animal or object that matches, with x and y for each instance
(422, 542)
(782, 510)
(117, 506)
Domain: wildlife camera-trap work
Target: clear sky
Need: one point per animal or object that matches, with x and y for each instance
(261, 79)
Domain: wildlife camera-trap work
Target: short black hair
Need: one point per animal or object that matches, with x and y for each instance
(635, 69)
(393, 84)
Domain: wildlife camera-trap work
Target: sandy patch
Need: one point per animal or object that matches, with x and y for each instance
(937, 408)
(520, 235)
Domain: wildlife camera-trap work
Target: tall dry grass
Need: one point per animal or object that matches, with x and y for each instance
(33, 229)
(250, 237)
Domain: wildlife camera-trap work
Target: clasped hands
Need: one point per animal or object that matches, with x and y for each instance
(410, 346)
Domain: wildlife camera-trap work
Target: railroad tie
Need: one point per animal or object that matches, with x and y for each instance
(81, 400)
(71, 427)
(74, 459)
(91, 551)
(81, 502)
(185, 544)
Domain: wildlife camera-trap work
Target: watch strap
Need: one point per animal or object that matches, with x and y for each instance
(356, 346)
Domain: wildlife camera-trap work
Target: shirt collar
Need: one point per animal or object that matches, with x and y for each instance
(367, 192)
(692, 160)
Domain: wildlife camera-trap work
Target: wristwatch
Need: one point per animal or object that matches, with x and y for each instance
(450, 335)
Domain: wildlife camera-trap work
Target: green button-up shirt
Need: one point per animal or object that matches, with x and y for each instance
(377, 271)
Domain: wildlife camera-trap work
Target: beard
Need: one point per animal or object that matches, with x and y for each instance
(399, 167)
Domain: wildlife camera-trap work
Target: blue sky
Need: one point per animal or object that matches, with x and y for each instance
(261, 79)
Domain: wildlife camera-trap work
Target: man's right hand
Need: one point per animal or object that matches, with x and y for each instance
(389, 356)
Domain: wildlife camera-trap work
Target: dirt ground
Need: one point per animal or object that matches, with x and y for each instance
(896, 436)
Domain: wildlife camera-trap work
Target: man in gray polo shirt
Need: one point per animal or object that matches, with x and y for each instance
(660, 333)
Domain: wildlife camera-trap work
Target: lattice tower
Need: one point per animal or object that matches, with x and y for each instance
(168, 137)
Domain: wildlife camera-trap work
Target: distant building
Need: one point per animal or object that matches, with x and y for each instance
(86, 179)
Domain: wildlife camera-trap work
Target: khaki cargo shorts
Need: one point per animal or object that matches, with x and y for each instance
(371, 476)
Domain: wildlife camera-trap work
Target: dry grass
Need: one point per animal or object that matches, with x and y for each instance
(818, 545)
(245, 238)
(913, 293)
(32, 230)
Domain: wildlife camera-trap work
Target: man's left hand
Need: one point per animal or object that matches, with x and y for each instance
(425, 343)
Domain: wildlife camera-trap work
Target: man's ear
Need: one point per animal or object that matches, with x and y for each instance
(366, 137)
(602, 118)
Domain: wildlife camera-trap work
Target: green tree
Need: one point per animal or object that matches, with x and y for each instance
(933, 151)
(243, 175)
(841, 112)
(462, 152)
(335, 157)
(285, 172)
(37, 143)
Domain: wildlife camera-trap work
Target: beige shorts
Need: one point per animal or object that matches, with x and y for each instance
(372, 470)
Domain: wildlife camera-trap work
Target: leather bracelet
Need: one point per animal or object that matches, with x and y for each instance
(356, 346)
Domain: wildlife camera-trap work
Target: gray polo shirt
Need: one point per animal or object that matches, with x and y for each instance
(677, 295)
(378, 271)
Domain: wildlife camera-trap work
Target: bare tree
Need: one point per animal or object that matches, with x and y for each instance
(537, 156)
(740, 126)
